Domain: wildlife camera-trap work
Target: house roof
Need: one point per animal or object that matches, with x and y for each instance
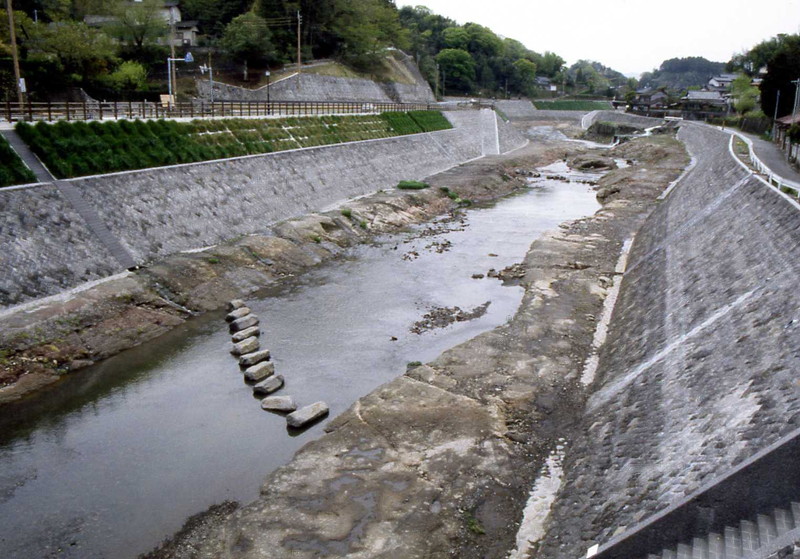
(788, 120)
(188, 24)
(703, 96)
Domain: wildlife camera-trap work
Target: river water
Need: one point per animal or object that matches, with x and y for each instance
(113, 459)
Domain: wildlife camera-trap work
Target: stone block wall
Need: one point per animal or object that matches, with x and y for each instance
(46, 247)
(699, 370)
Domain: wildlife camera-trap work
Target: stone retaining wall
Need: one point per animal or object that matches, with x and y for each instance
(315, 87)
(699, 368)
(156, 212)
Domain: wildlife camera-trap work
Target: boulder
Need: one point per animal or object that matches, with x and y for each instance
(246, 333)
(250, 359)
(306, 415)
(236, 304)
(248, 345)
(241, 312)
(259, 372)
(268, 386)
(243, 323)
(278, 403)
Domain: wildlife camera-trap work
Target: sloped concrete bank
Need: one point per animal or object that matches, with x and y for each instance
(439, 462)
(44, 339)
(700, 368)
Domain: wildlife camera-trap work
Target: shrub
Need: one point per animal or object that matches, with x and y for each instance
(347, 212)
(412, 185)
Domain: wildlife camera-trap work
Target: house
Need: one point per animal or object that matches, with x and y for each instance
(185, 32)
(721, 83)
(545, 83)
(699, 105)
(648, 100)
(782, 126)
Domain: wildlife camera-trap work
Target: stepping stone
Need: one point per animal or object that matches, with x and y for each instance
(246, 333)
(245, 346)
(259, 372)
(249, 359)
(306, 415)
(278, 403)
(243, 323)
(241, 312)
(269, 386)
(236, 304)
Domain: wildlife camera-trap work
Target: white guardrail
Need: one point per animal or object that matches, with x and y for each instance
(774, 179)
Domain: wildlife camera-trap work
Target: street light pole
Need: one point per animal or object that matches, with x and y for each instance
(269, 111)
(775, 117)
(170, 67)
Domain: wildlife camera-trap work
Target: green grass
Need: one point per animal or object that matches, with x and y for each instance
(12, 169)
(572, 105)
(412, 185)
(78, 149)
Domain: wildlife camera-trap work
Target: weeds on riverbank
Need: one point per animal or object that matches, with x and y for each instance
(12, 169)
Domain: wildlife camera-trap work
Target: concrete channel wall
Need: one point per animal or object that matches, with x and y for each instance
(45, 247)
(699, 371)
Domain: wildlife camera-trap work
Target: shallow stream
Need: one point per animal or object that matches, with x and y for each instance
(110, 461)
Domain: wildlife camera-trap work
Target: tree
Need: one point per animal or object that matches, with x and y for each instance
(138, 23)
(745, 96)
(247, 38)
(366, 27)
(213, 15)
(524, 76)
(130, 76)
(80, 51)
(782, 69)
(458, 68)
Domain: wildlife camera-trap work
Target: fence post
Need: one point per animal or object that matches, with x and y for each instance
(100, 109)
(84, 110)
(116, 111)
(30, 110)
(49, 111)
(8, 110)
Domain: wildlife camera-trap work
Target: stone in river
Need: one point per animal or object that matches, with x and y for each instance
(237, 314)
(259, 372)
(249, 359)
(248, 345)
(306, 415)
(278, 403)
(244, 323)
(268, 386)
(236, 304)
(246, 333)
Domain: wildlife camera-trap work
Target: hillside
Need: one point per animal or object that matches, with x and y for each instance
(681, 73)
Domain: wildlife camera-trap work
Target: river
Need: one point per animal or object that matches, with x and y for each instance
(111, 460)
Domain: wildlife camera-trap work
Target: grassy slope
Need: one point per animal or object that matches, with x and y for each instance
(12, 169)
(572, 105)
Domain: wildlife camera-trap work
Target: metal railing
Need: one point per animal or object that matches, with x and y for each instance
(95, 110)
(774, 179)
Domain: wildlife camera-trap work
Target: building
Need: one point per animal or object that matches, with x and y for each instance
(699, 105)
(648, 100)
(721, 83)
(185, 32)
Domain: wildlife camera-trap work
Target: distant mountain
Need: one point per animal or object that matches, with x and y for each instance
(682, 73)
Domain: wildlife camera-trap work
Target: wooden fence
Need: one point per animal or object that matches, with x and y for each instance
(95, 110)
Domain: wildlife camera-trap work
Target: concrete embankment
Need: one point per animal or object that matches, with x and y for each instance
(188, 207)
(439, 462)
(699, 370)
(47, 248)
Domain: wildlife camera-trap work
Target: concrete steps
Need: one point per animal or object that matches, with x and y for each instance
(750, 539)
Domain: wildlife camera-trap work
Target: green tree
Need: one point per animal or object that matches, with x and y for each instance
(782, 68)
(138, 24)
(364, 28)
(458, 69)
(213, 15)
(524, 76)
(247, 38)
(79, 50)
(129, 75)
(745, 95)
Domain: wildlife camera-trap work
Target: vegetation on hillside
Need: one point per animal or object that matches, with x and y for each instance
(681, 73)
(120, 52)
(12, 169)
(780, 56)
(79, 148)
(573, 105)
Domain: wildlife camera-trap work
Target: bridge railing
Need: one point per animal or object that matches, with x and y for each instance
(95, 110)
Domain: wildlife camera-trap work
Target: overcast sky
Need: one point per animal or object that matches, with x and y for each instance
(631, 36)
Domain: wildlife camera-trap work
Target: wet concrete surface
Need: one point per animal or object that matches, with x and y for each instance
(109, 462)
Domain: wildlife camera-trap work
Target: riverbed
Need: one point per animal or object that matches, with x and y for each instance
(110, 461)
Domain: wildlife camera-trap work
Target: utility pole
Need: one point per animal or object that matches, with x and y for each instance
(13, 37)
(172, 74)
(299, 59)
(775, 117)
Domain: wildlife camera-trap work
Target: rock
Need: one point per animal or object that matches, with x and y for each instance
(76, 364)
(236, 304)
(250, 359)
(259, 372)
(278, 403)
(243, 323)
(241, 312)
(269, 386)
(248, 345)
(477, 276)
(306, 415)
(246, 333)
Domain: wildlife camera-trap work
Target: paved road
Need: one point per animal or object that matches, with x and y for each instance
(774, 158)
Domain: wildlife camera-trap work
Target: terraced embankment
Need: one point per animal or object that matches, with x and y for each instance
(699, 370)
